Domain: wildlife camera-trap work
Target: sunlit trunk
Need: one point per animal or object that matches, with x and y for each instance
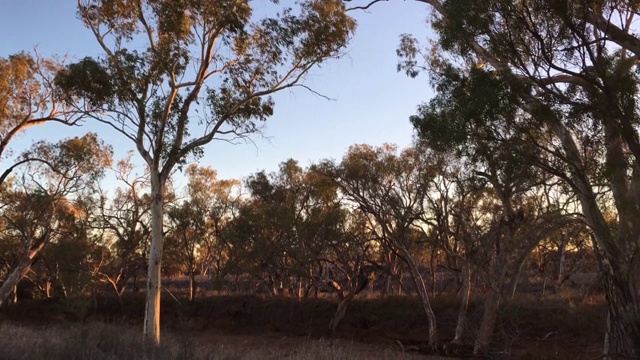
(192, 286)
(301, 294)
(15, 294)
(22, 269)
(151, 332)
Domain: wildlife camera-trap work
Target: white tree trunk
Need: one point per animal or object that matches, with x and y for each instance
(192, 286)
(343, 304)
(465, 292)
(23, 267)
(418, 281)
(151, 332)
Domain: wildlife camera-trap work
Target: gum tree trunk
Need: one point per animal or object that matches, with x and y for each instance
(622, 335)
(493, 301)
(465, 292)
(340, 313)
(422, 294)
(151, 331)
(23, 267)
(192, 286)
(488, 324)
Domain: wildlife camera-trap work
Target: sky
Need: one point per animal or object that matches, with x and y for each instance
(372, 101)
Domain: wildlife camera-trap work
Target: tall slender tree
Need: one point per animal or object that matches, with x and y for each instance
(176, 75)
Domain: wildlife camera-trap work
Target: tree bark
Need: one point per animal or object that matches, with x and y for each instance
(422, 294)
(488, 324)
(465, 293)
(23, 267)
(192, 286)
(340, 313)
(622, 337)
(151, 331)
(561, 261)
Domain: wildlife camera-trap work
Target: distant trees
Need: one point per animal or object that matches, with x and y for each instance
(194, 233)
(333, 228)
(124, 221)
(39, 208)
(390, 190)
(526, 159)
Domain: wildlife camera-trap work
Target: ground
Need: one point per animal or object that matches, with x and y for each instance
(248, 327)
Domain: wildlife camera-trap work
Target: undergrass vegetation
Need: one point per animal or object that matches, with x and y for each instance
(559, 326)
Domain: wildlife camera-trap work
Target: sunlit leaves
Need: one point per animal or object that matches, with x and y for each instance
(26, 95)
(17, 85)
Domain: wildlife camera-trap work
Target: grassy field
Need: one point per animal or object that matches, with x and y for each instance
(252, 327)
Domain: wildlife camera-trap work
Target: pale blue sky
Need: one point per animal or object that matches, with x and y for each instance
(373, 101)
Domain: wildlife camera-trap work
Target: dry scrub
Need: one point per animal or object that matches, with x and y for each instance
(106, 342)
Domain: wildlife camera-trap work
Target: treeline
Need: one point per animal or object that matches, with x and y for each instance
(383, 220)
(529, 149)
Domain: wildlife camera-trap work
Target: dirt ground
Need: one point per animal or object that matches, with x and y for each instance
(274, 345)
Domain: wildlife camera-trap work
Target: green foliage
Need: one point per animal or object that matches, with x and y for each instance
(87, 78)
(237, 64)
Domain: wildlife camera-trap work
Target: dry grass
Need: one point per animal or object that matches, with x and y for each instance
(531, 326)
(105, 342)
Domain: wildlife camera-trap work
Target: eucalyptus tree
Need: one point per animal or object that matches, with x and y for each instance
(176, 75)
(566, 71)
(195, 224)
(218, 199)
(71, 259)
(43, 195)
(27, 99)
(390, 189)
(345, 268)
(456, 223)
(283, 228)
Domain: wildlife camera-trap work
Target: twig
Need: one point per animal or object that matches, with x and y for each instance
(169, 292)
(365, 7)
